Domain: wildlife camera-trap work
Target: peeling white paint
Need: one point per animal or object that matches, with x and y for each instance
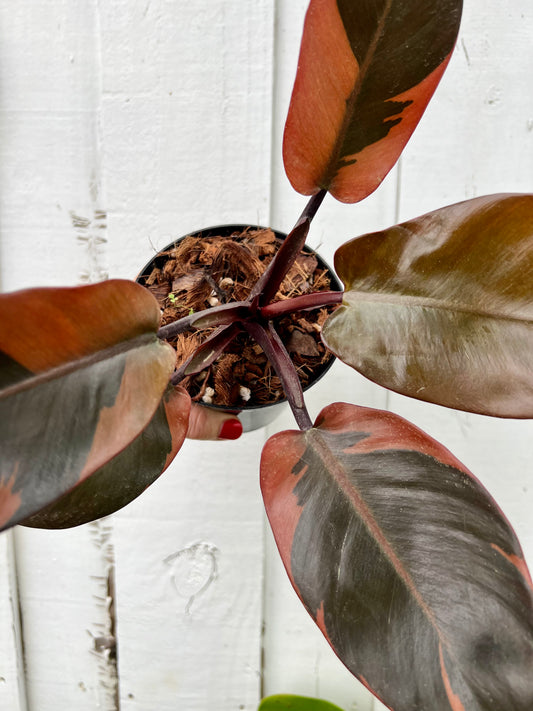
(193, 570)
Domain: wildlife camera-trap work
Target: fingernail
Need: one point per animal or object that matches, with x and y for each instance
(231, 429)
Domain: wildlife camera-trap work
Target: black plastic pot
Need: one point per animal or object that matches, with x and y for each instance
(252, 416)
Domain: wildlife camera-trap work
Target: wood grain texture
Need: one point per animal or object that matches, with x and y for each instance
(49, 154)
(12, 682)
(186, 120)
(65, 596)
(477, 138)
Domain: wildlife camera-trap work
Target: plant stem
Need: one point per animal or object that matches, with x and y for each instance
(301, 303)
(312, 206)
(222, 315)
(267, 286)
(276, 353)
(206, 354)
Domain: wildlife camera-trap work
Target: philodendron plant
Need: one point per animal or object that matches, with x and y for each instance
(398, 553)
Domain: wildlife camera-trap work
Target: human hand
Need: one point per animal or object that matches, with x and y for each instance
(205, 423)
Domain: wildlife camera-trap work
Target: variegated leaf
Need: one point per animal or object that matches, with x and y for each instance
(404, 561)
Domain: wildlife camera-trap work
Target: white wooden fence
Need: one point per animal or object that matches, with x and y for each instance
(123, 124)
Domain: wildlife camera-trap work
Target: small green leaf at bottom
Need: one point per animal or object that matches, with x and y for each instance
(289, 702)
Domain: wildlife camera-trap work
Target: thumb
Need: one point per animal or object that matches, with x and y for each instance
(205, 423)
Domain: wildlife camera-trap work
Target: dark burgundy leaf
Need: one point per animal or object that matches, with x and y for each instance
(404, 561)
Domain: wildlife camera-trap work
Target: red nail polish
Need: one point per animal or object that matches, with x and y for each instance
(231, 429)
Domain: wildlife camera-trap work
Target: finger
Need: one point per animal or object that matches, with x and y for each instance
(210, 424)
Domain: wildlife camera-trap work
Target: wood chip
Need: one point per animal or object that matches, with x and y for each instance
(302, 343)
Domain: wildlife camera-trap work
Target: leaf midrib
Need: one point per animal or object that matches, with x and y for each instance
(331, 169)
(412, 301)
(81, 363)
(340, 476)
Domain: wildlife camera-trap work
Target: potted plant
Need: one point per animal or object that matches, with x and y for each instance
(360, 501)
(218, 266)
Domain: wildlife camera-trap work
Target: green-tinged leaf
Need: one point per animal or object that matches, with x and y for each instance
(441, 308)
(289, 702)
(128, 474)
(366, 73)
(82, 373)
(404, 561)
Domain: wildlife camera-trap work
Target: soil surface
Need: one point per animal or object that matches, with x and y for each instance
(202, 272)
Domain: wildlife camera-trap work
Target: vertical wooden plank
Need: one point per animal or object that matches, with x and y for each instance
(186, 130)
(189, 583)
(478, 139)
(12, 686)
(65, 592)
(297, 659)
(52, 232)
(48, 129)
(186, 122)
